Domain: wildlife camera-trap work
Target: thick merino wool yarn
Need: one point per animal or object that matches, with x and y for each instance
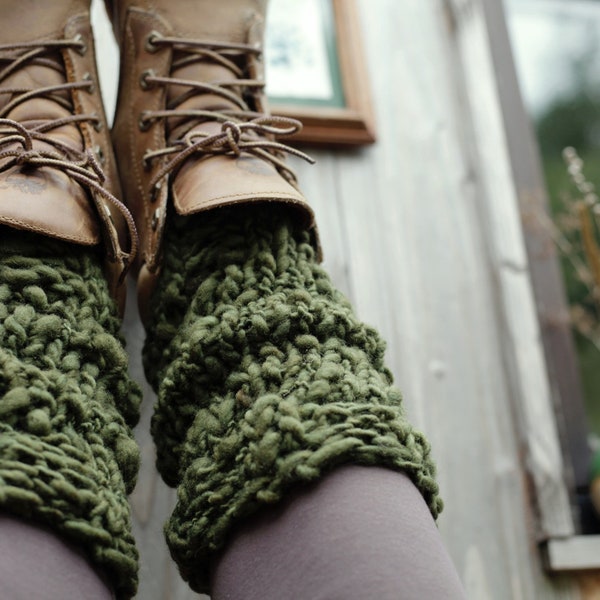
(265, 378)
(67, 405)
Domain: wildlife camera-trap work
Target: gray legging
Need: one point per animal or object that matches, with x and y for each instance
(361, 532)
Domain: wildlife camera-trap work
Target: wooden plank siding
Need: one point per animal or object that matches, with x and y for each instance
(422, 232)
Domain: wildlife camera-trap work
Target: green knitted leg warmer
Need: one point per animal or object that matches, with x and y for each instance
(265, 379)
(67, 404)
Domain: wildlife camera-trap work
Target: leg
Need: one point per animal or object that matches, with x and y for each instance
(285, 385)
(266, 379)
(67, 454)
(67, 404)
(360, 532)
(37, 564)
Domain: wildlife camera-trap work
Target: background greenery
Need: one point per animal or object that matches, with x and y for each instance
(573, 119)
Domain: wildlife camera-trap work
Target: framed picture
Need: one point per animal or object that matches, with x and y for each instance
(316, 71)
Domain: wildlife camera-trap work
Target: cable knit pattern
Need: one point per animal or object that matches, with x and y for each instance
(67, 404)
(265, 379)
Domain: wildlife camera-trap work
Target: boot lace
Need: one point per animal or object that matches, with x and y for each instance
(242, 128)
(17, 140)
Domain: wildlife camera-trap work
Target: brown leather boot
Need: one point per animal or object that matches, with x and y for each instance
(192, 126)
(57, 171)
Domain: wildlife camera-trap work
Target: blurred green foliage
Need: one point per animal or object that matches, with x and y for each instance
(574, 120)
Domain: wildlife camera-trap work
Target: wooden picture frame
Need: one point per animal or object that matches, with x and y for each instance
(350, 121)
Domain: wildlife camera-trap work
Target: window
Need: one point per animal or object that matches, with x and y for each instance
(555, 44)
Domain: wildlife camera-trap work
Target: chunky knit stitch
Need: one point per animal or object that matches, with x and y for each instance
(265, 379)
(67, 405)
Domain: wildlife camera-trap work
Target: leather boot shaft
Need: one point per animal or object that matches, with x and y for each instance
(24, 20)
(217, 20)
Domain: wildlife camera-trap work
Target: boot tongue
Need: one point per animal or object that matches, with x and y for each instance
(205, 72)
(40, 109)
(228, 22)
(213, 20)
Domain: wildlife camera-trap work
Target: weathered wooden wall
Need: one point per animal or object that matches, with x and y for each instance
(422, 232)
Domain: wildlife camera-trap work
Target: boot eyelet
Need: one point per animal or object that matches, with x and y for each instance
(155, 219)
(91, 85)
(146, 163)
(80, 45)
(144, 83)
(97, 122)
(155, 191)
(100, 154)
(108, 213)
(151, 46)
(144, 123)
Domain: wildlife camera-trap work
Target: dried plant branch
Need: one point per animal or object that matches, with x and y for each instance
(575, 235)
(590, 246)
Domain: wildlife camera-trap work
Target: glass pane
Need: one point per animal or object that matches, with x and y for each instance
(557, 50)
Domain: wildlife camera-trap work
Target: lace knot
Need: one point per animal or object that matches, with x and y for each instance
(28, 157)
(244, 128)
(233, 133)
